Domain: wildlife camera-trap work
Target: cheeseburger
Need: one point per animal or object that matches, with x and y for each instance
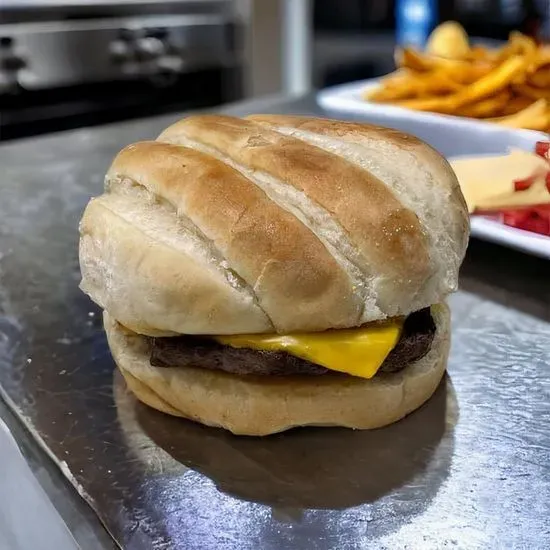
(268, 272)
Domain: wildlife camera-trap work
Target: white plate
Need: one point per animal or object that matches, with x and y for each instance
(454, 137)
(490, 230)
(532, 243)
(349, 98)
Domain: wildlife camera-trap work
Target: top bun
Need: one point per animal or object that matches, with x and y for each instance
(272, 223)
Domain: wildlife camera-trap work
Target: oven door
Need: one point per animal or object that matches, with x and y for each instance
(59, 75)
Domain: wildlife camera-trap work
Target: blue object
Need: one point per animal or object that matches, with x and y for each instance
(414, 20)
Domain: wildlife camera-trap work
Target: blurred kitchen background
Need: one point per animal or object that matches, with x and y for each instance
(71, 63)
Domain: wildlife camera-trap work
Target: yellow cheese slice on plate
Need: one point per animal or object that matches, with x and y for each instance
(488, 181)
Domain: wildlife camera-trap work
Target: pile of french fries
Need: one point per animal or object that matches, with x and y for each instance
(509, 85)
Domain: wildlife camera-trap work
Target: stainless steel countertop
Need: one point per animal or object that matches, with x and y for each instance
(470, 470)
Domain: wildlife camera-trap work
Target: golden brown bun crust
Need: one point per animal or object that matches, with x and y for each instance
(246, 405)
(354, 132)
(412, 154)
(272, 224)
(150, 285)
(364, 206)
(293, 274)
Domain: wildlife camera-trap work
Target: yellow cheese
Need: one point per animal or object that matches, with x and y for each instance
(488, 181)
(359, 352)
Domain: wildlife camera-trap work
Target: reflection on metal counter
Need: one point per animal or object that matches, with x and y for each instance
(304, 468)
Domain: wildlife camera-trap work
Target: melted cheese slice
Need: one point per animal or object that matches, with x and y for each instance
(359, 352)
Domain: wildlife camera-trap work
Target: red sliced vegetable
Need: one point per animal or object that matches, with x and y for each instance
(499, 211)
(534, 218)
(525, 183)
(542, 149)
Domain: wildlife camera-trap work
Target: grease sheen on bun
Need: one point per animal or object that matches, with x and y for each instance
(272, 224)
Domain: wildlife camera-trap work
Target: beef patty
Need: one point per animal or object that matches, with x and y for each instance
(198, 351)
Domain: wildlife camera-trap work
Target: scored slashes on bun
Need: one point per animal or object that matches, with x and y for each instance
(274, 224)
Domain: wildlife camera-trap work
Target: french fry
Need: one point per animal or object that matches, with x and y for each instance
(523, 44)
(534, 117)
(435, 104)
(389, 94)
(397, 76)
(423, 84)
(503, 85)
(462, 71)
(415, 61)
(516, 104)
(489, 107)
(393, 87)
(540, 78)
(491, 83)
(469, 73)
(531, 92)
(541, 61)
(518, 44)
(480, 53)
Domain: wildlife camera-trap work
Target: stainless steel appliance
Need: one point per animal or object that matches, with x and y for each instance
(68, 63)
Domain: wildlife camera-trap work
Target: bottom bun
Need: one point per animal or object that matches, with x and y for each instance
(250, 405)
